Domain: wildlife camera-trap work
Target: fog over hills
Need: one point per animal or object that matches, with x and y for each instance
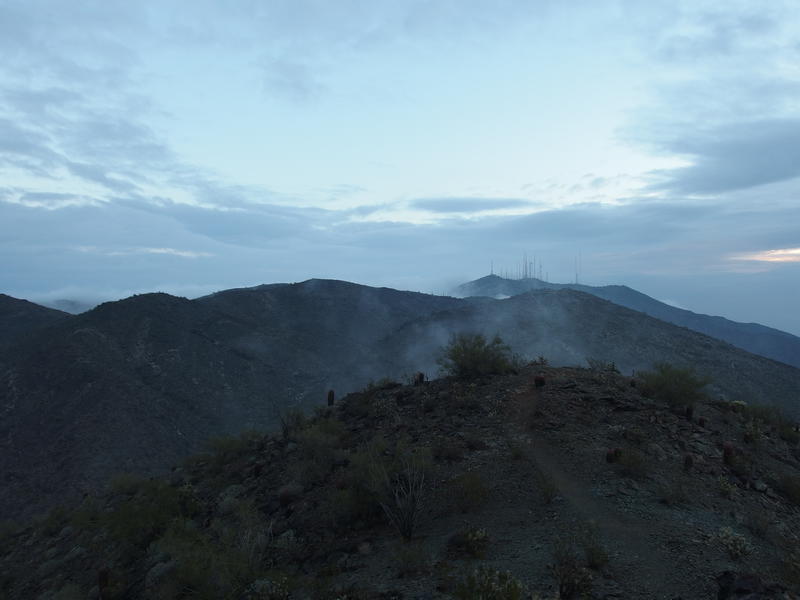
(752, 337)
(134, 385)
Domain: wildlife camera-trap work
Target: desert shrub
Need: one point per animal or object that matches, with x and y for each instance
(470, 355)
(572, 578)
(292, 421)
(469, 490)
(147, 514)
(472, 542)
(218, 562)
(231, 446)
(633, 463)
(274, 587)
(726, 488)
(753, 432)
(402, 492)
(490, 584)
(593, 550)
(319, 440)
(734, 543)
(601, 366)
(679, 388)
(380, 478)
(87, 515)
(127, 483)
(790, 486)
(410, 558)
(385, 383)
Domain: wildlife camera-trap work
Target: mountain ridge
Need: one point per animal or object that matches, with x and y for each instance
(137, 383)
(753, 337)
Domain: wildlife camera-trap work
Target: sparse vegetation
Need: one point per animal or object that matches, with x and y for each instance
(572, 578)
(679, 388)
(411, 559)
(487, 583)
(305, 514)
(726, 488)
(593, 550)
(601, 366)
(734, 543)
(472, 542)
(470, 355)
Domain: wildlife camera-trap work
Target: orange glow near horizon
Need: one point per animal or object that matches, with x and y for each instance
(778, 255)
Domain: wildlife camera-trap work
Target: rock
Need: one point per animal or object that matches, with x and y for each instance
(157, 573)
(365, 548)
(657, 451)
(67, 531)
(759, 486)
(289, 493)
(76, 552)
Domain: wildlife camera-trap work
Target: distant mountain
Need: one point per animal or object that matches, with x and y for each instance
(752, 337)
(20, 317)
(73, 307)
(134, 385)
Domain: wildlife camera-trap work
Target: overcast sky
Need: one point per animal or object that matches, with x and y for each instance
(192, 146)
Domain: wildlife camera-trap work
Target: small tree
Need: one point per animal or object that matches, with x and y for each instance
(680, 388)
(470, 355)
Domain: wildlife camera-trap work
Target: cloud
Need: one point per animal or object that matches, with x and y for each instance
(133, 251)
(468, 205)
(780, 255)
(734, 157)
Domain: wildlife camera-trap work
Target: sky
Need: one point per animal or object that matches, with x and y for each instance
(193, 146)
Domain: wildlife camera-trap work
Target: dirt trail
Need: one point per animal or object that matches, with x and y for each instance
(634, 553)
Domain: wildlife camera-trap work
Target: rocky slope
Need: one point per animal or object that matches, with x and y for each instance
(136, 384)
(20, 317)
(571, 481)
(758, 339)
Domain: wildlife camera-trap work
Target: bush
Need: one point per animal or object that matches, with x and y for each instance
(490, 584)
(471, 542)
(735, 543)
(470, 355)
(572, 578)
(601, 366)
(680, 388)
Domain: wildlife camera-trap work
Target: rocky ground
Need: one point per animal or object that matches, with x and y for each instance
(570, 480)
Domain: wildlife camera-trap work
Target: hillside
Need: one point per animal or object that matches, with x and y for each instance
(20, 317)
(139, 383)
(577, 483)
(758, 339)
